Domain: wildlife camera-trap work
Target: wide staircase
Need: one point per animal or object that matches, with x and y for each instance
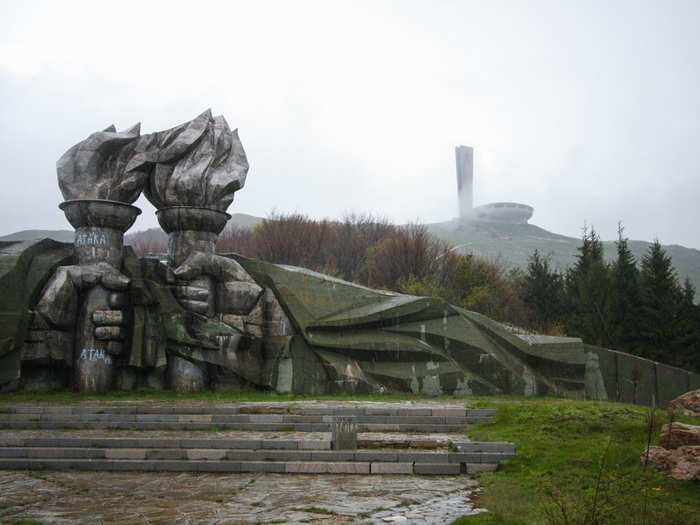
(279, 438)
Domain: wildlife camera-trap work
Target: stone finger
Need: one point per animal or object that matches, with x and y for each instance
(109, 333)
(237, 297)
(108, 317)
(198, 307)
(118, 300)
(113, 280)
(192, 293)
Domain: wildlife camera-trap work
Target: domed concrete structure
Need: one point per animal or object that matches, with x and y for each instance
(508, 212)
(503, 212)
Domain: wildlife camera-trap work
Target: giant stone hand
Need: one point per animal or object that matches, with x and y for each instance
(58, 302)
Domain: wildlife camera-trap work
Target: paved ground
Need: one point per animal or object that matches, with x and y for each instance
(136, 498)
(188, 498)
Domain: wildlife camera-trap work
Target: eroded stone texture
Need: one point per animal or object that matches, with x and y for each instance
(200, 163)
(678, 434)
(683, 463)
(688, 403)
(96, 168)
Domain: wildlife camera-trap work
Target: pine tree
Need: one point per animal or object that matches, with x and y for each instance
(625, 297)
(543, 293)
(587, 293)
(687, 347)
(660, 306)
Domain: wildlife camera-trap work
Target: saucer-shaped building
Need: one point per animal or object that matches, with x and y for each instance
(504, 212)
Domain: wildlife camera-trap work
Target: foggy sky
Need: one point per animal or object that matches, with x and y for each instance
(588, 111)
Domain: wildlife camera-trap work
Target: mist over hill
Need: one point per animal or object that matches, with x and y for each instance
(508, 244)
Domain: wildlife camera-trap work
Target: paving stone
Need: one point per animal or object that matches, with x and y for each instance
(316, 444)
(306, 467)
(342, 411)
(375, 456)
(125, 453)
(479, 446)
(194, 418)
(115, 442)
(166, 453)
(312, 427)
(422, 457)
(473, 468)
(280, 444)
(282, 455)
(158, 443)
(449, 412)
(266, 418)
(14, 452)
(369, 427)
(368, 411)
(241, 455)
(209, 454)
(218, 466)
(332, 455)
(437, 468)
(45, 452)
(392, 468)
(353, 467)
(85, 453)
(302, 419)
(414, 411)
(262, 466)
(465, 457)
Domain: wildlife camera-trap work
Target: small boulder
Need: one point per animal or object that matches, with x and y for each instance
(683, 463)
(676, 435)
(688, 403)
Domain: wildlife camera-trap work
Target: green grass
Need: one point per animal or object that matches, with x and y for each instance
(224, 397)
(553, 478)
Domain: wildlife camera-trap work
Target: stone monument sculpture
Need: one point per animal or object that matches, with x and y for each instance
(94, 317)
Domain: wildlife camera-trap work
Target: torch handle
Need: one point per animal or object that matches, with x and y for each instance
(94, 366)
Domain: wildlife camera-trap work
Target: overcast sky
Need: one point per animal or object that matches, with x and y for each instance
(588, 111)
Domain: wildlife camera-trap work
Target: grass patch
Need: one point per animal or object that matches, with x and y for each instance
(556, 477)
(206, 395)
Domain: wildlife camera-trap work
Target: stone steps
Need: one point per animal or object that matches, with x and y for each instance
(250, 455)
(250, 418)
(280, 467)
(210, 453)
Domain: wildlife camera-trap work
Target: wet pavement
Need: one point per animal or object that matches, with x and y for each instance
(138, 498)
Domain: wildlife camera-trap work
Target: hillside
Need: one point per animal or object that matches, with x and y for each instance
(512, 244)
(30, 235)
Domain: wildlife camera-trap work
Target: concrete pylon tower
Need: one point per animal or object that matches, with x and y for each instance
(465, 180)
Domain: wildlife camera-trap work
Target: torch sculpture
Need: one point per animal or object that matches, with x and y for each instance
(98, 193)
(195, 169)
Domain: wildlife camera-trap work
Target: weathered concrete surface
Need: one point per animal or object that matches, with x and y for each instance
(199, 163)
(126, 498)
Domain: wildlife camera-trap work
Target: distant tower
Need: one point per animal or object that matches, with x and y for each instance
(465, 180)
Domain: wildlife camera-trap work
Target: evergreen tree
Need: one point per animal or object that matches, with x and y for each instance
(587, 293)
(543, 293)
(660, 306)
(625, 297)
(687, 348)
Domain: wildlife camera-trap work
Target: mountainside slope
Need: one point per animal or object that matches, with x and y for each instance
(512, 244)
